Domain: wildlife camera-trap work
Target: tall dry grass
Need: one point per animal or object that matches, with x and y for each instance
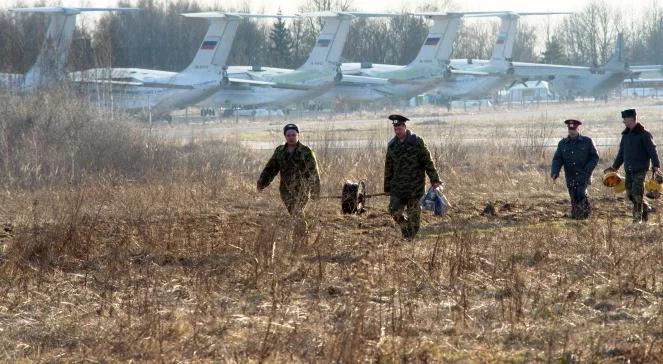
(157, 252)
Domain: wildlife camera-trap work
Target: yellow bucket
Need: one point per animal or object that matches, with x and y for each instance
(652, 186)
(620, 187)
(612, 179)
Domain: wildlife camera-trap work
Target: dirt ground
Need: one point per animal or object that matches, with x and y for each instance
(195, 266)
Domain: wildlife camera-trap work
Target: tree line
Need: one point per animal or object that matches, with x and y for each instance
(159, 38)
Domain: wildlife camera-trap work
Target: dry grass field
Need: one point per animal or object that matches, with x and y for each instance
(118, 244)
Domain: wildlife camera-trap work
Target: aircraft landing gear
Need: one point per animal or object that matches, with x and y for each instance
(207, 112)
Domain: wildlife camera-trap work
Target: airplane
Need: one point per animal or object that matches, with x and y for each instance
(476, 81)
(426, 71)
(570, 82)
(321, 70)
(49, 68)
(156, 93)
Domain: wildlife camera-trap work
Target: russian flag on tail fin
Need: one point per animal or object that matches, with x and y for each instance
(501, 38)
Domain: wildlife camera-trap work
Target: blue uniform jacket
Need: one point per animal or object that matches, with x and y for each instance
(578, 156)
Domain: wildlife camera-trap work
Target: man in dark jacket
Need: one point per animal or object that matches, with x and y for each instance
(636, 150)
(578, 155)
(406, 165)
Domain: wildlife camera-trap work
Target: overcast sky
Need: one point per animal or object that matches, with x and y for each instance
(395, 5)
(630, 8)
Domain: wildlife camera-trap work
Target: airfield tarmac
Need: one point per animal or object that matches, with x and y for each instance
(519, 125)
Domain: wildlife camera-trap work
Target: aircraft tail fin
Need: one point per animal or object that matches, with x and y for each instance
(502, 54)
(215, 48)
(438, 46)
(617, 61)
(439, 42)
(51, 62)
(506, 38)
(328, 47)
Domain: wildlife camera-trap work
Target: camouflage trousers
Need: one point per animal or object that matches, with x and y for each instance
(580, 207)
(295, 202)
(635, 190)
(407, 214)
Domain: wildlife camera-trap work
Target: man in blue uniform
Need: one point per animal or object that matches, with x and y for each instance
(578, 155)
(637, 152)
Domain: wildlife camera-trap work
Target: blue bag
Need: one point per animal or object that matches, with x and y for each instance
(435, 201)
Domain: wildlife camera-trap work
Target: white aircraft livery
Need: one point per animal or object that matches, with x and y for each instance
(50, 67)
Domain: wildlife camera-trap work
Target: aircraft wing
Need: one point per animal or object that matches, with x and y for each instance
(67, 10)
(167, 85)
(354, 79)
(646, 70)
(228, 81)
(138, 84)
(470, 73)
(256, 83)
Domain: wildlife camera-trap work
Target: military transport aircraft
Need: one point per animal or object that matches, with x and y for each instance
(50, 67)
(569, 82)
(323, 62)
(433, 60)
(157, 93)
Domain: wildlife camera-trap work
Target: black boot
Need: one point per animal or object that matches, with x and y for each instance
(646, 209)
(586, 209)
(576, 211)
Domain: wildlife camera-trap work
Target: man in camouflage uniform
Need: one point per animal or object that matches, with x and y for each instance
(578, 155)
(405, 168)
(300, 179)
(636, 150)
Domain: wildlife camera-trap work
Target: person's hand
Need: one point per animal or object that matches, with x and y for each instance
(259, 187)
(656, 169)
(609, 169)
(554, 176)
(436, 184)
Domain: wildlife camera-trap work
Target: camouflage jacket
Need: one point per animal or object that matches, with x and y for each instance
(406, 166)
(578, 156)
(636, 150)
(299, 170)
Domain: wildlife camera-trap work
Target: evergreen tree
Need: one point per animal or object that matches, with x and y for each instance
(280, 51)
(554, 53)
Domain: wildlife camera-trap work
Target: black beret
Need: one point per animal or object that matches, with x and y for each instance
(397, 119)
(628, 113)
(572, 123)
(290, 127)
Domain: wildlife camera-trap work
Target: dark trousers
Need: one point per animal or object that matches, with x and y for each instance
(635, 190)
(407, 214)
(580, 207)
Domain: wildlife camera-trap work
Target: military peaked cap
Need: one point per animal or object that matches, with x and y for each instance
(628, 113)
(573, 123)
(397, 119)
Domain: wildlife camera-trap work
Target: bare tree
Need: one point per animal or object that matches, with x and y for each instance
(475, 41)
(588, 37)
(524, 49)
